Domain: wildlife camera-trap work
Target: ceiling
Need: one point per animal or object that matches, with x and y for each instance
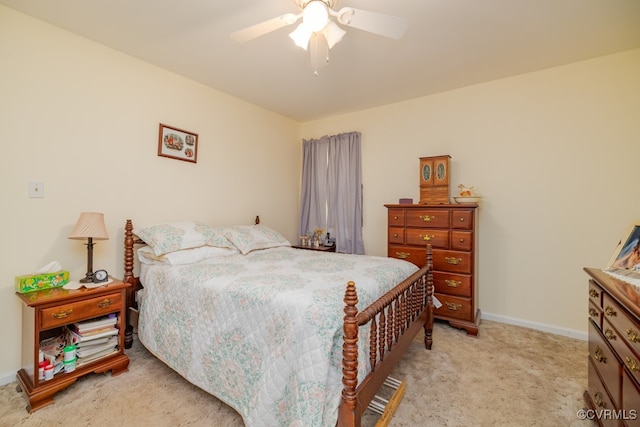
(449, 44)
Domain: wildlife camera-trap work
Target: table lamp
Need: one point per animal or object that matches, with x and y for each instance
(90, 226)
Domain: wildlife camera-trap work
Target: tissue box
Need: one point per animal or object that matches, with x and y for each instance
(37, 282)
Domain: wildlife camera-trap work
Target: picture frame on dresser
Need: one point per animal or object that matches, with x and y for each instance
(626, 257)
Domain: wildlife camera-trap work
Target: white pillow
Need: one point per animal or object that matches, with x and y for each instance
(249, 238)
(185, 256)
(176, 236)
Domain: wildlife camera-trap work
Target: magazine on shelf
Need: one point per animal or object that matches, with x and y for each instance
(84, 352)
(99, 355)
(75, 338)
(100, 322)
(93, 342)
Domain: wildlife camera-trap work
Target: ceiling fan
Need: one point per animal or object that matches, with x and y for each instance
(319, 30)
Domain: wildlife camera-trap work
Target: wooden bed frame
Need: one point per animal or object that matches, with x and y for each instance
(395, 318)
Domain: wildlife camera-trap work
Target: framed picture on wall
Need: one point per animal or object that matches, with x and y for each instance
(626, 258)
(177, 144)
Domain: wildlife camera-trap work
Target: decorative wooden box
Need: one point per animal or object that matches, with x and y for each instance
(434, 180)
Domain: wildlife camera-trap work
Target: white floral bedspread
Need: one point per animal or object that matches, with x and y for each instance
(262, 331)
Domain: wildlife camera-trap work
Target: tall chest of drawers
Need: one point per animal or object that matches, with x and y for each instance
(613, 392)
(452, 232)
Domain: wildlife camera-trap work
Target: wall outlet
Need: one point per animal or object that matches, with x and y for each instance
(36, 190)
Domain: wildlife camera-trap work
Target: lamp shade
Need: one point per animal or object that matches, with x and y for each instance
(90, 224)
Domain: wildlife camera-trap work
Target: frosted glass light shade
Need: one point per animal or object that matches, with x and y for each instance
(315, 15)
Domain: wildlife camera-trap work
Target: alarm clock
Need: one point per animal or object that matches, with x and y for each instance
(100, 276)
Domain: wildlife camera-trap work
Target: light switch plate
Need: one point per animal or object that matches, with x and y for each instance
(36, 190)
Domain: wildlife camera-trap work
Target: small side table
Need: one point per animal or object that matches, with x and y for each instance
(45, 314)
(316, 248)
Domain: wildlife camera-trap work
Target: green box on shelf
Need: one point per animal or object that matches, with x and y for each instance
(37, 282)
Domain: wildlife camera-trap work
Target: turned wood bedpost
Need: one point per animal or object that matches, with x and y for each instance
(349, 412)
(129, 278)
(428, 326)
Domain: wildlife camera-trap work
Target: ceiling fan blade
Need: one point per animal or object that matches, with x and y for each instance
(373, 22)
(265, 27)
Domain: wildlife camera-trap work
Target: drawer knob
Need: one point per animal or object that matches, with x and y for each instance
(593, 293)
(426, 237)
(609, 334)
(632, 364)
(453, 307)
(599, 356)
(402, 255)
(593, 312)
(395, 234)
(461, 240)
(453, 261)
(461, 219)
(105, 303)
(453, 283)
(427, 218)
(62, 314)
(395, 217)
(597, 398)
(633, 336)
(610, 311)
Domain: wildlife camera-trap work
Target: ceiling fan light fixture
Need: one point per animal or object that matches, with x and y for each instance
(333, 33)
(315, 15)
(301, 36)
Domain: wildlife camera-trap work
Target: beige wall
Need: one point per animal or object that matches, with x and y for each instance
(555, 155)
(83, 119)
(552, 153)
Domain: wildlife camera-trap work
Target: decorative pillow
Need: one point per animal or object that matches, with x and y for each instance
(249, 238)
(185, 256)
(176, 236)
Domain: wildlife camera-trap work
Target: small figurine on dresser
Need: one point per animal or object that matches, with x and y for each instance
(466, 195)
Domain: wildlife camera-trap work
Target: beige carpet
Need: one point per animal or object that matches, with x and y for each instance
(508, 376)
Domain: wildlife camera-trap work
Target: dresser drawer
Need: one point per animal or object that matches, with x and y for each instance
(80, 310)
(452, 284)
(462, 241)
(598, 392)
(626, 327)
(595, 314)
(456, 307)
(630, 400)
(396, 235)
(424, 236)
(595, 293)
(452, 261)
(432, 218)
(418, 256)
(395, 217)
(605, 362)
(462, 220)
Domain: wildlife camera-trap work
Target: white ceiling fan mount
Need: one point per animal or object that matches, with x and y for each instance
(319, 27)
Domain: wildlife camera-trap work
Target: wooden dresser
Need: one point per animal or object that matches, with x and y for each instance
(613, 393)
(452, 232)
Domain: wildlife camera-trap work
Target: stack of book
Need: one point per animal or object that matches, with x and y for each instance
(94, 339)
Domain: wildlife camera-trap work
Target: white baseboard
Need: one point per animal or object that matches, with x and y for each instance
(571, 333)
(7, 378)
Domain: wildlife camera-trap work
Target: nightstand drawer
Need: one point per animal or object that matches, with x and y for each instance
(80, 310)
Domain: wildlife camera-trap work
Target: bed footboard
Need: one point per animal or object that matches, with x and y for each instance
(395, 319)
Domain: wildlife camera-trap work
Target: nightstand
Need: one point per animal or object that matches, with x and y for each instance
(45, 314)
(316, 248)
